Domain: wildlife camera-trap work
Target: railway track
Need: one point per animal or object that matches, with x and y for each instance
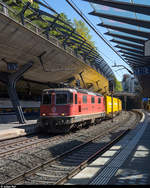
(11, 147)
(59, 165)
(16, 145)
(59, 169)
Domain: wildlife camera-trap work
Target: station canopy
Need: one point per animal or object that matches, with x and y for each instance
(128, 23)
(56, 25)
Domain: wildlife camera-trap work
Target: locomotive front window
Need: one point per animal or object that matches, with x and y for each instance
(61, 98)
(47, 99)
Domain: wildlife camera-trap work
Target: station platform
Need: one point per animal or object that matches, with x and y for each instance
(10, 128)
(125, 163)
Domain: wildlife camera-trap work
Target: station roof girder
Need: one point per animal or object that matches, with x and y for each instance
(130, 53)
(130, 49)
(132, 21)
(128, 44)
(128, 22)
(139, 8)
(126, 30)
(132, 39)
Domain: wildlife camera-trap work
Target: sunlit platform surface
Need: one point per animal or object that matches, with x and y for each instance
(13, 129)
(125, 163)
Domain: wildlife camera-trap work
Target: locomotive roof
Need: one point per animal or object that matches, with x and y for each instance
(73, 90)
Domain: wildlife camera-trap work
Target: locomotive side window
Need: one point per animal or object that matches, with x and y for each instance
(71, 98)
(76, 99)
(84, 99)
(99, 100)
(61, 98)
(92, 100)
(47, 99)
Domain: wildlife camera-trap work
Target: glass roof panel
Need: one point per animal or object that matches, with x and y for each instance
(130, 48)
(123, 13)
(126, 14)
(126, 34)
(122, 40)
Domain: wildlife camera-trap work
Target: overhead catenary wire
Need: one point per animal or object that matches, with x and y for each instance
(85, 42)
(72, 4)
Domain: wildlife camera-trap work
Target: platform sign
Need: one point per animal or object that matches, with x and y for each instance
(145, 99)
(12, 66)
(147, 48)
(142, 70)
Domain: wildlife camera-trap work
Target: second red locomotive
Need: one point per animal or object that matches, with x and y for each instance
(64, 108)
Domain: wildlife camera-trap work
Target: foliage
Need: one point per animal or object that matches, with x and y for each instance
(61, 25)
(75, 35)
(118, 85)
(83, 30)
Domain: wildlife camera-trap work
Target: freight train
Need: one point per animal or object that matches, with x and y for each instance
(62, 109)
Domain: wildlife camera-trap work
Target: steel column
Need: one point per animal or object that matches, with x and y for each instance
(10, 80)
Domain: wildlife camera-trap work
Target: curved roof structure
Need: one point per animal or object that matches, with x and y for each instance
(128, 23)
(52, 23)
(50, 47)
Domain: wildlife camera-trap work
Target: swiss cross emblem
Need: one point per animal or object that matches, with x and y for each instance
(53, 109)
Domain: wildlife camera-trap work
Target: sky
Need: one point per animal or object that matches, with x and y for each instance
(105, 51)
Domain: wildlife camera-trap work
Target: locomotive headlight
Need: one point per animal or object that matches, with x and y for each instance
(43, 114)
(62, 114)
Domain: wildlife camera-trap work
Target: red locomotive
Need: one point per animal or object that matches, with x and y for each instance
(64, 108)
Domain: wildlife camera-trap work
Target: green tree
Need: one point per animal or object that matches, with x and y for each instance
(84, 31)
(118, 85)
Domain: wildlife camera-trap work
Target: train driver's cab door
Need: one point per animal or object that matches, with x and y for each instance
(78, 103)
(79, 106)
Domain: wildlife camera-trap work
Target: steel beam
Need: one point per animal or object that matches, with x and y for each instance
(130, 59)
(139, 8)
(132, 21)
(128, 44)
(133, 57)
(126, 30)
(143, 64)
(133, 62)
(23, 12)
(130, 49)
(132, 39)
(129, 53)
(10, 80)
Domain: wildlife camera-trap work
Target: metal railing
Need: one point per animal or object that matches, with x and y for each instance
(9, 12)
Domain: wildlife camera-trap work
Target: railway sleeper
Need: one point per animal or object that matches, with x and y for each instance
(48, 175)
(61, 167)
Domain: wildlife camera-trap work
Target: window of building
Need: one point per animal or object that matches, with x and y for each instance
(47, 99)
(84, 99)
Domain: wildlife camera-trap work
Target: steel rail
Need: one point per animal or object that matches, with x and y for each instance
(32, 171)
(20, 148)
(92, 157)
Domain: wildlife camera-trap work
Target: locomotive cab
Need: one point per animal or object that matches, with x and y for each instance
(56, 103)
(56, 109)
